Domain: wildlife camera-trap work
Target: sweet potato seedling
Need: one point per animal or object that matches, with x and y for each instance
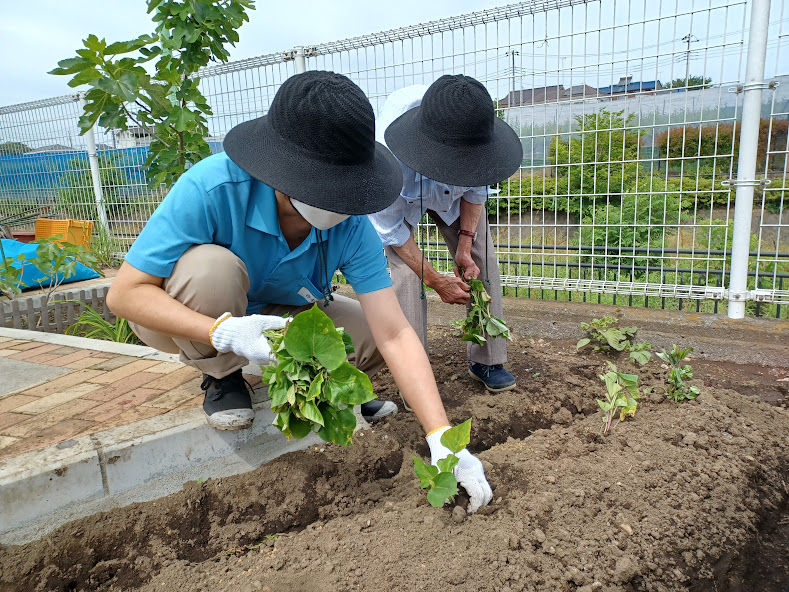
(621, 396)
(678, 391)
(313, 387)
(606, 336)
(439, 480)
(479, 320)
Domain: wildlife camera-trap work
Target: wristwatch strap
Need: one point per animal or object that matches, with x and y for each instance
(470, 233)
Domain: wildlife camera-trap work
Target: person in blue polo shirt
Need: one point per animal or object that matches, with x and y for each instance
(246, 236)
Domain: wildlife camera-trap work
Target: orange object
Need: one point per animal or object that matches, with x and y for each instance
(77, 232)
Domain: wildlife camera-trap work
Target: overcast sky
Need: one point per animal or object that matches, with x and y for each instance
(36, 34)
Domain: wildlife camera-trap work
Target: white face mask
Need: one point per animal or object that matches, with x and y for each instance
(320, 219)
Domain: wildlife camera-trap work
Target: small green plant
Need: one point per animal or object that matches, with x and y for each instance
(439, 480)
(678, 391)
(92, 325)
(621, 396)
(479, 320)
(103, 248)
(606, 336)
(313, 387)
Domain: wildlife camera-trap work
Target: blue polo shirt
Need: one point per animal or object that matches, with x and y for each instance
(216, 202)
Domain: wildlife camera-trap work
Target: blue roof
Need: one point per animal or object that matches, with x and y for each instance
(632, 87)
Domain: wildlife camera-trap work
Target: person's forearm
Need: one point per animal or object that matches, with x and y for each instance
(413, 375)
(469, 218)
(405, 356)
(150, 306)
(413, 257)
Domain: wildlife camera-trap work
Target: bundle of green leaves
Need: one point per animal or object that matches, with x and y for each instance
(440, 481)
(479, 320)
(605, 336)
(313, 387)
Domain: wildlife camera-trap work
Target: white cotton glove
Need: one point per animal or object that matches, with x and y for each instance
(468, 472)
(244, 336)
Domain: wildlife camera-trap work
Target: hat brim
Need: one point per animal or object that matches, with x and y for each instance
(468, 166)
(353, 189)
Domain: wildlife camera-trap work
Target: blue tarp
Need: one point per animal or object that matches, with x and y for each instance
(32, 276)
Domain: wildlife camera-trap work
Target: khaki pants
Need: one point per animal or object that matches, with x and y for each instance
(407, 286)
(212, 280)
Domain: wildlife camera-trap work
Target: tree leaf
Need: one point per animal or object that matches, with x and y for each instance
(458, 437)
(312, 334)
(582, 342)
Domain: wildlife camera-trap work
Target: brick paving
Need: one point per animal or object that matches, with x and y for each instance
(100, 391)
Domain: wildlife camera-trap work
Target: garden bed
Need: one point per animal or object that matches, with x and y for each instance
(681, 497)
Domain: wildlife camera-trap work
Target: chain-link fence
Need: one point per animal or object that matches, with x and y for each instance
(631, 118)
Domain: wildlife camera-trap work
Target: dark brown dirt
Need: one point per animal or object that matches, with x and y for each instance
(681, 497)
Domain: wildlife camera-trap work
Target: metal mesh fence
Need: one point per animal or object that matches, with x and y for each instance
(629, 117)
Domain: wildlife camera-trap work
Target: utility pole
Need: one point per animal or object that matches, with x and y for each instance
(689, 38)
(512, 53)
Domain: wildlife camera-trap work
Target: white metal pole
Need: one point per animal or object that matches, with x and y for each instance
(90, 140)
(299, 57)
(746, 162)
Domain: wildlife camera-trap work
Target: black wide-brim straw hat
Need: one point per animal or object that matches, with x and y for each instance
(317, 145)
(454, 136)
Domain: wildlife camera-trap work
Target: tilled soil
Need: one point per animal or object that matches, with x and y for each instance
(681, 497)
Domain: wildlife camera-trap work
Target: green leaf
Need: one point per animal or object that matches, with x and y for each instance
(72, 66)
(316, 387)
(299, 428)
(311, 412)
(447, 464)
(582, 342)
(458, 437)
(346, 339)
(615, 339)
(349, 385)
(445, 487)
(312, 334)
(641, 357)
(338, 424)
(84, 77)
(426, 473)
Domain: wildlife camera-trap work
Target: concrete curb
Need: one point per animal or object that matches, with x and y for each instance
(37, 487)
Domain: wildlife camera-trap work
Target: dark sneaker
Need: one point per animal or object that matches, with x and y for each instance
(376, 410)
(227, 404)
(495, 378)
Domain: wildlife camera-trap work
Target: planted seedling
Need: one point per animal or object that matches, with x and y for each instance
(621, 396)
(313, 387)
(479, 320)
(606, 336)
(678, 391)
(439, 480)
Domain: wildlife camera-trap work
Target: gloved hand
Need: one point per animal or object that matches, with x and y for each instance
(468, 472)
(244, 336)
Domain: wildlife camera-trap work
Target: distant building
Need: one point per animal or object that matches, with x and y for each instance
(533, 96)
(132, 138)
(626, 86)
(53, 148)
(580, 91)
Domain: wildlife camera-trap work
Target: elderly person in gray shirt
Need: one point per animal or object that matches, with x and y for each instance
(450, 146)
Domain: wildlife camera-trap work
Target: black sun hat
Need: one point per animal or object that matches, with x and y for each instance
(454, 136)
(317, 145)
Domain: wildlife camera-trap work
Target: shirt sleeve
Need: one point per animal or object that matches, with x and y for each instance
(185, 218)
(363, 262)
(476, 195)
(390, 224)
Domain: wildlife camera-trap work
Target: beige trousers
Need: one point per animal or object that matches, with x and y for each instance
(212, 280)
(407, 286)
